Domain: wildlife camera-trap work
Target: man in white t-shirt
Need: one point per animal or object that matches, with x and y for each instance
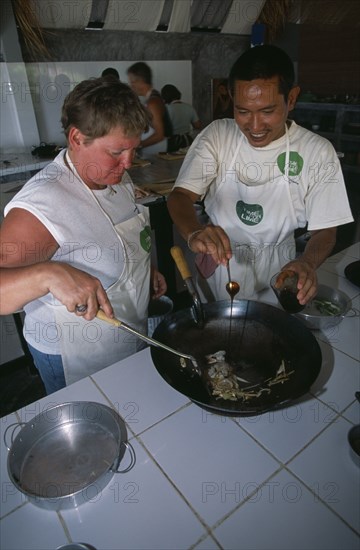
(261, 177)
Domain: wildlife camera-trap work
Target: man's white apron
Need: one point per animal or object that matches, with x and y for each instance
(260, 222)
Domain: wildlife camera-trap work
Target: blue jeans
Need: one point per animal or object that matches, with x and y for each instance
(50, 368)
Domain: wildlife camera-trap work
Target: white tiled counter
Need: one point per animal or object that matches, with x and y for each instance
(284, 479)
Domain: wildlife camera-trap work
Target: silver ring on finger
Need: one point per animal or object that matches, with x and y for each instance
(81, 308)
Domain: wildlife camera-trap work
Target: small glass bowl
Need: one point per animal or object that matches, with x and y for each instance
(284, 284)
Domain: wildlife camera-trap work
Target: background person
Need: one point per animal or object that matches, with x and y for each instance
(110, 72)
(183, 118)
(261, 176)
(80, 210)
(223, 105)
(155, 139)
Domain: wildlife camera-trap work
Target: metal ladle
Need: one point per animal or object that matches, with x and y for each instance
(232, 287)
(117, 323)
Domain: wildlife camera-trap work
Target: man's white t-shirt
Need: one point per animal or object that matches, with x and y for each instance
(319, 192)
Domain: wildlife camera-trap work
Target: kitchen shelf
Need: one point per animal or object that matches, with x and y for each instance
(337, 122)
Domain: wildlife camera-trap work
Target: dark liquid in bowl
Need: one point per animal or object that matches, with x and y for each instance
(289, 301)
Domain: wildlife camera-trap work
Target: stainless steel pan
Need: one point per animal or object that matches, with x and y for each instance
(67, 455)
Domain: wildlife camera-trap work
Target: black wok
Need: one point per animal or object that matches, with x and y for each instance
(261, 337)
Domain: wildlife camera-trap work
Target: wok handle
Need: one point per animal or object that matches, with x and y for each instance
(185, 273)
(181, 262)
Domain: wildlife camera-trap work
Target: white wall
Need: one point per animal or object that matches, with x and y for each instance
(18, 129)
(43, 91)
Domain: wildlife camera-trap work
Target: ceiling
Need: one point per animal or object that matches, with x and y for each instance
(326, 12)
(227, 16)
(182, 16)
(221, 16)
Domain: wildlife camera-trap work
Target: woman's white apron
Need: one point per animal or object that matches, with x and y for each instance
(260, 222)
(89, 346)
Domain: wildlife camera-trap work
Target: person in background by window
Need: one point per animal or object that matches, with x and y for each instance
(223, 105)
(183, 118)
(155, 139)
(110, 72)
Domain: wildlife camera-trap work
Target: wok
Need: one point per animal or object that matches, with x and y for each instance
(259, 339)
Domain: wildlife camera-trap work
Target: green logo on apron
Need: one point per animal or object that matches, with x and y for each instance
(145, 238)
(249, 214)
(296, 163)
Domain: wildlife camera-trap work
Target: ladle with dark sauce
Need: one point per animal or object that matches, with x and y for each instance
(232, 287)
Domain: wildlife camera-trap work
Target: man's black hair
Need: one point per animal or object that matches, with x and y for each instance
(170, 93)
(142, 71)
(110, 72)
(264, 62)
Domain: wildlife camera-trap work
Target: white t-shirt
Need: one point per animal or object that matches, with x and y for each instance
(320, 197)
(181, 116)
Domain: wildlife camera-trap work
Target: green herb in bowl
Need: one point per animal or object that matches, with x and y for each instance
(325, 307)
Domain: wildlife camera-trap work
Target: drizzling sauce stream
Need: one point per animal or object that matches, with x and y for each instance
(232, 288)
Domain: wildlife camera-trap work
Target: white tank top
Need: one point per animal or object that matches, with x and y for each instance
(87, 239)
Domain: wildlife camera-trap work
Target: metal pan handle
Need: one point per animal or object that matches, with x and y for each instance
(353, 312)
(130, 448)
(14, 425)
